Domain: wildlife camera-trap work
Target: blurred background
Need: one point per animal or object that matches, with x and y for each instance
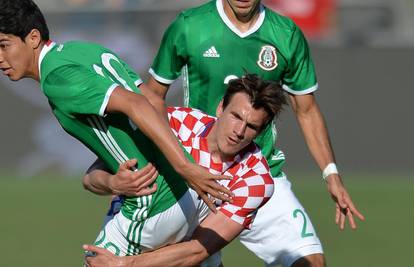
(364, 56)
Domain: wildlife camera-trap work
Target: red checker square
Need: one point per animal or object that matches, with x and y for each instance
(233, 181)
(190, 121)
(240, 183)
(196, 155)
(175, 123)
(205, 120)
(216, 166)
(239, 201)
(234, 169)
(252, 161)
(257, 191)
(203, 144)
(250, 173)
(187, 110)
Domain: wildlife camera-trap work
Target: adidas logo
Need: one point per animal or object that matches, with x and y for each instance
(279, 156)
(211, 52)
(60, 48)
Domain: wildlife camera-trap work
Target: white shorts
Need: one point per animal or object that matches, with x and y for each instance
(282, 231)
(124, 237)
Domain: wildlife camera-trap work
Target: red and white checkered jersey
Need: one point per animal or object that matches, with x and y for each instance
(252, 183)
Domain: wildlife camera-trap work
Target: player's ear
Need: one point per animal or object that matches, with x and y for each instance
(33, 38)
(219, 109)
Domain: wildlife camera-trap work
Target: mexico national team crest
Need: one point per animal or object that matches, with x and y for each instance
(267, 58)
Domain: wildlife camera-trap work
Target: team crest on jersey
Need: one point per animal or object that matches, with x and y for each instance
(267, 58)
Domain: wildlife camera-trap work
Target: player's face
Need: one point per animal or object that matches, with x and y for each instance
(16, 56)
(243, 8)
(238, 124)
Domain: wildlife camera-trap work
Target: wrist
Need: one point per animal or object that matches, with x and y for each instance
(124, 261)
(111, 184)
(329, 170)
(182, 168)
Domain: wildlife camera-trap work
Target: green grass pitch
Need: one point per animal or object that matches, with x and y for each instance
(45, 220)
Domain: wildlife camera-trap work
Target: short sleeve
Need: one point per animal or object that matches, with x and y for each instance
(300, 77)
(74, 89)
(252, 186)
(171, 56)
(132, 74)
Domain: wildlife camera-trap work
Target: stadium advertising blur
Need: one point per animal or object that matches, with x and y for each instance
(314, 17)
(133, 29)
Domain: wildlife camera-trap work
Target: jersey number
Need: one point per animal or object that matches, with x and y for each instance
(229, 78)
(305, 222)
(106, 62)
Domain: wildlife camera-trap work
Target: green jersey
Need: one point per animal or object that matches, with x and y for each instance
(208, 50)
(78, 79)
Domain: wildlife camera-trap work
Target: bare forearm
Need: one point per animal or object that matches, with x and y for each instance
(97, 179)
(97, 182)
(214, 233)
(185, 254)
(314, 129)
(317, 138)
(143, 114)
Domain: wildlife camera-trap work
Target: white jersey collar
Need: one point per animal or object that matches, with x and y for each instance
(226, 20)
(45, 49)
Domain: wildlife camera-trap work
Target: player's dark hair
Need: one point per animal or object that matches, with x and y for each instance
(20, 17)
(268, 95)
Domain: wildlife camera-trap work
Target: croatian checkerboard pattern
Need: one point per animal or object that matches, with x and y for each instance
(252, 183)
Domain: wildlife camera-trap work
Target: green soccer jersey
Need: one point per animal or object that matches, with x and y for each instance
(208, 50)
(78, 79)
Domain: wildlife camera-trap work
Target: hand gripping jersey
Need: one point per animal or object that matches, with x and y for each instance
(252, 183)
(205, 47)
(78, 79)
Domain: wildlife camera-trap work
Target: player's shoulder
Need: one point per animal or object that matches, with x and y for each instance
(70, 54)
(172, 110)
(280, 21)
(183, 112)
(79, 49)
(188, 122)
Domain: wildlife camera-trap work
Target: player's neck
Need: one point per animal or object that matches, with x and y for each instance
(33, 70)
(242, 22)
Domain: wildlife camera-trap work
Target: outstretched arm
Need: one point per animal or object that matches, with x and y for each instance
(214, 233)
(316, 136)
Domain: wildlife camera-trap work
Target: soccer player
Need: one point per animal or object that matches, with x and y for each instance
(94, 97)
(223, 145)
(212, 44)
